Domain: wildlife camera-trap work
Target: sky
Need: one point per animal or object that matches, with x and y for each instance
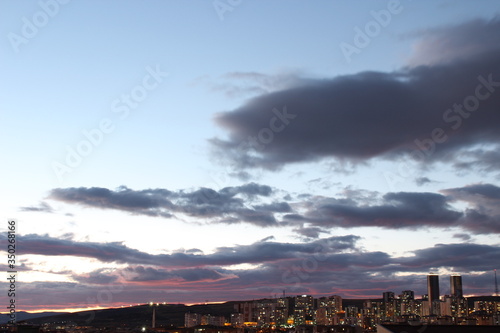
(185, 152)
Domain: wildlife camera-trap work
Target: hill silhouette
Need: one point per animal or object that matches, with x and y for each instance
(141, 315)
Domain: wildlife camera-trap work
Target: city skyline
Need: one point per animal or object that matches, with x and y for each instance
(186, 152)
(288, 311)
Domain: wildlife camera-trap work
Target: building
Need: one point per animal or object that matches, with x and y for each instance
(328, 308)
(248, 310)
(456, 286)
(304, 310)
(407, 302)
(192, 319)
(236, 319)
(389, 305)
(436, 329)
(433, 294)
(213, 320)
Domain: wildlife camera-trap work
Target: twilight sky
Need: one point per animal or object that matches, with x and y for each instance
(176, 151)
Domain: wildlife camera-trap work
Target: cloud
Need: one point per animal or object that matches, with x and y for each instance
(105, 252)
(258, 252)
(429, 112)
(228, 205)
(482, 159)
(461, 257)
(142, 274)
(42, 207)
(244, 84)
(483, 214)
(476, 192)
(333, 265)
(397, 210)
(310, 232)
(464, 237)
(146, 202)
(462, 42)
(422, 181)
(307, 215)
(98, 277)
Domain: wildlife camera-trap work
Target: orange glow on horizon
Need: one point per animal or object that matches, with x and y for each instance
(115, 306)
(71, 310)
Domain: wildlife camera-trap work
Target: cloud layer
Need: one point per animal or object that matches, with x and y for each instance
(310, 215)
(334, 265)
(431, 110)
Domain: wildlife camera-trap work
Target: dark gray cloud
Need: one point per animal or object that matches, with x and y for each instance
(461, 42)
(483, 214)
(228, 205)
(278, 207)
(338, 253)
(482, 221)
(154, 202)
(483, 160)
(333, 265)
(141, 274)
(258, 252)
(42, 207)
(310, 232)
(476, 192)
(462, 257)
(414, 112)
(397, 210)
(106, 252)
(98, 277)
(464, 237)
(422, 181)
(308, 215)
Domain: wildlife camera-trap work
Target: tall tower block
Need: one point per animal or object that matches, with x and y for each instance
(456, 286)
(433, 292)
(433, 287)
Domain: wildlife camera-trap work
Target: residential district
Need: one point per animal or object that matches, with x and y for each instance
(401, 313)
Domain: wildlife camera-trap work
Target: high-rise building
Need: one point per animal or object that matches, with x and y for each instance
(456, 286)
(328, 308)
(388, 296)
(407, 299)
(304, 309)
(433, 292)
(389, 305)
(433, 287)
